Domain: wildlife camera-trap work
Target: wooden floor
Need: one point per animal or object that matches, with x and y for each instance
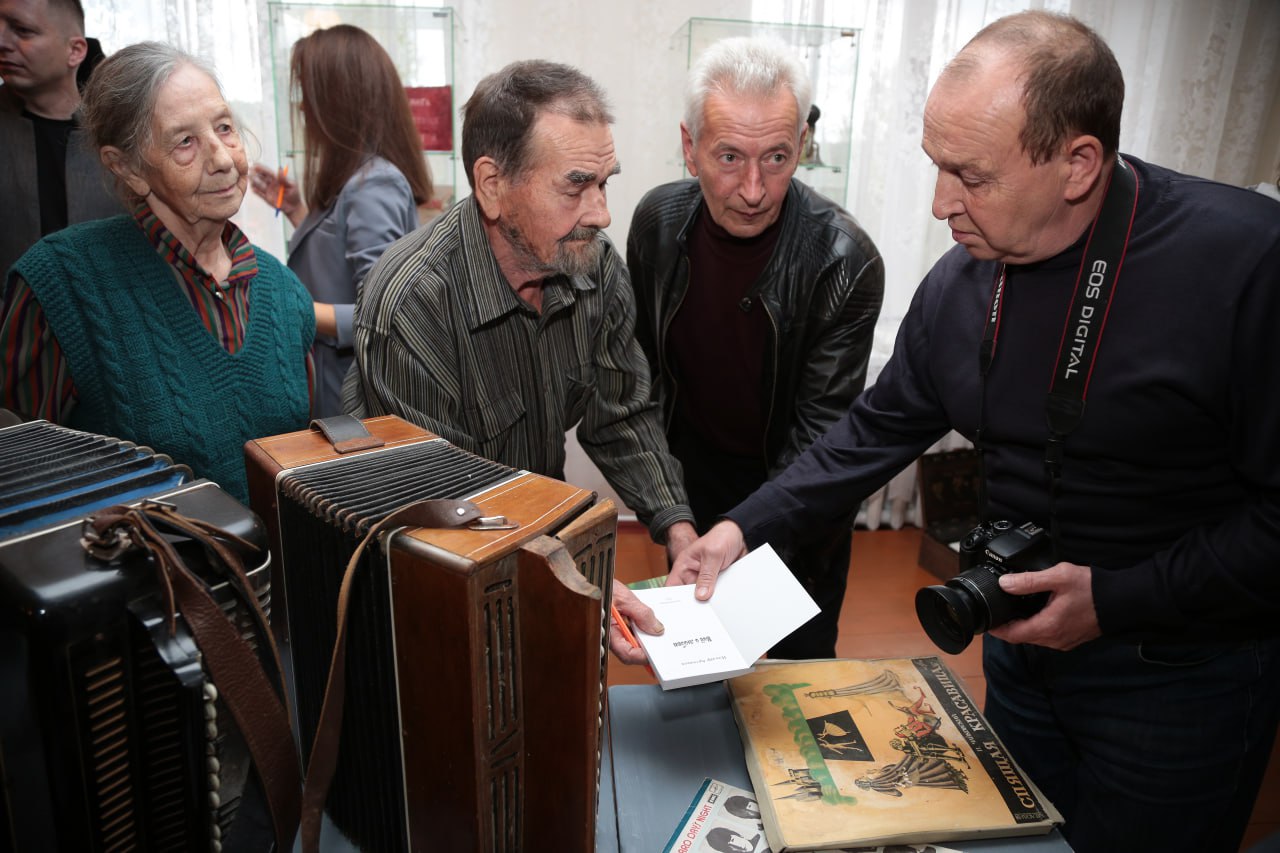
(879, 620)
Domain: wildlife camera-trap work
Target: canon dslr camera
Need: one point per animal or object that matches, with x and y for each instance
(972, 601)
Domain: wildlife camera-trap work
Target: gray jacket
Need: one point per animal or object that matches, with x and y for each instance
(334, 249)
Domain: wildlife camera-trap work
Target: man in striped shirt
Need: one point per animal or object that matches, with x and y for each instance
(511, 319)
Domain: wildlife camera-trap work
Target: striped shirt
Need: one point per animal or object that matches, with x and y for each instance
(442, 340)
(37, 381)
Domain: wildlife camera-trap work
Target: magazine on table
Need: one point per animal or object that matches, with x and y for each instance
(849, 753)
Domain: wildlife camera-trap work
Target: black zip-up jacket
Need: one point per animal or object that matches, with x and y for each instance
(821, 290)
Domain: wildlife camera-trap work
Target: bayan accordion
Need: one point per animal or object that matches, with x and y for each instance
(475, 658)
(112, 734)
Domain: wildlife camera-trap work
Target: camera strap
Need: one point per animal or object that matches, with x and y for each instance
(1100, 265)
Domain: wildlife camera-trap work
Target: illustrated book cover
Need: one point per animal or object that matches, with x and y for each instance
(847, 753)
(757, 602)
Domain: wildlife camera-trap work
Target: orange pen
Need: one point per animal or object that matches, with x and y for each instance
(626, 632)
(284, 173)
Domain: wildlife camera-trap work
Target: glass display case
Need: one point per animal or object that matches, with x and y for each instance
(830, 55)
(420, 41)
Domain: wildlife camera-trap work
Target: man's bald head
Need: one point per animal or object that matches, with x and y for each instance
(1071, 81)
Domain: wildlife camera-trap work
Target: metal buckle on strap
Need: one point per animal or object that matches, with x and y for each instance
(492, 522)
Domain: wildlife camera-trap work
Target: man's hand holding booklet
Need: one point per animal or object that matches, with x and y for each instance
(757, 603)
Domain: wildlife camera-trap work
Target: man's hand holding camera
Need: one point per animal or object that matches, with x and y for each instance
(1066, 621)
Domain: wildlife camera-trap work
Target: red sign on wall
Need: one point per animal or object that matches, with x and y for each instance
(432, 108)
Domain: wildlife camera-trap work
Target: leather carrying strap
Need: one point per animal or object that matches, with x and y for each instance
(346, 433)
(260, 711)
(324, 749)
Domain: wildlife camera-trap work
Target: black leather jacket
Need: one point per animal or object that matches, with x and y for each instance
(821, 289)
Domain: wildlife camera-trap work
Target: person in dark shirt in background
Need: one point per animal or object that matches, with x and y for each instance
(49, 176)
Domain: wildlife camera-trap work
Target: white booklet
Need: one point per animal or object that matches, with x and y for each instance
(757, 602)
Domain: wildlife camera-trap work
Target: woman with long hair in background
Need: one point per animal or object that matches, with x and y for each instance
(363, 178)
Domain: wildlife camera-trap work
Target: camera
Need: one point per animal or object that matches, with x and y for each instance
(972, 601)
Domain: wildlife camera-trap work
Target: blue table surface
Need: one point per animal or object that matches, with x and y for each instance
(663, 744)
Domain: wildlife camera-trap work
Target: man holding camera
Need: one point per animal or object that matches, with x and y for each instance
(1128, 409)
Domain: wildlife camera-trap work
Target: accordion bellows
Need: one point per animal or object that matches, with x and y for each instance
(111, 734)
(475, 658)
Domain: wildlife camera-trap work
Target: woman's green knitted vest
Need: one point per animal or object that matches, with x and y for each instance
(145, 367)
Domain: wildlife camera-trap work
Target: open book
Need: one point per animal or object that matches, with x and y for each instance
(757, 602)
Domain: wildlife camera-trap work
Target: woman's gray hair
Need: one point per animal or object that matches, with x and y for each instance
(745, 66)
(120, 100)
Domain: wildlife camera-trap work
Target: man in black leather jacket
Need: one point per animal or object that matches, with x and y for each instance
(757, 299)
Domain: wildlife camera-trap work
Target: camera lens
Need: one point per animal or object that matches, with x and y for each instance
(950, 615)
(972, 601)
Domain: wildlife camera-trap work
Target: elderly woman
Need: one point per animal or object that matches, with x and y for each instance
(165, 327)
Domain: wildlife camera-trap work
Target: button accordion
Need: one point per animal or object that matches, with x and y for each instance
(475, 658)
(112, 734)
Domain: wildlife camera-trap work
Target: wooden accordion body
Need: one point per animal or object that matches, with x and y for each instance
(475, 658)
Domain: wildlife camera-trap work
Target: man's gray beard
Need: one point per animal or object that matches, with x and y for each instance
(566, 261)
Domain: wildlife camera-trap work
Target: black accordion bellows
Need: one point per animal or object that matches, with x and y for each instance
(325, 512)
(112, 736)
(475, 658)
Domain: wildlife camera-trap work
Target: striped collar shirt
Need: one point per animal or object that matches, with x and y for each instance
(223, 306)
(442, 340)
